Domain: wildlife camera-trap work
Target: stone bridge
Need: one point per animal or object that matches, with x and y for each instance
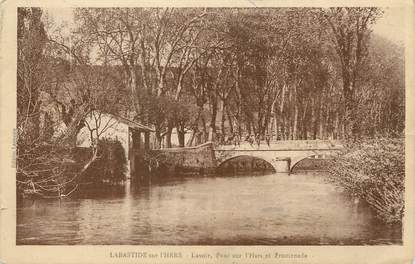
(282, 155)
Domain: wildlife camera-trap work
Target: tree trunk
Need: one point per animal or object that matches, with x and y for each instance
(275, 125)
(282, 127)
(349, 126)
(282, 117)
(271, 125)
(327, 121)
(158, 139)
(192, 137)
(205, 135)
(313, 119)
(167, 143)
(143, 66)
(222, 119)
(336, 126)
(160, 86)
(320, 121)
(181, 135)
(212, 125)
(267, 119)
(304, 122)
(230, 122)
(248, 127)
(68, 138)
(195, 129)
(287, 128)
(294, 135)
(133, 88)
(304, 130)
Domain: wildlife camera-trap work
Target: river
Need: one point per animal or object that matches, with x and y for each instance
(273, 209)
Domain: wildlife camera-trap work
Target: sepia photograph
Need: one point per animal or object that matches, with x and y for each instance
(210, 126)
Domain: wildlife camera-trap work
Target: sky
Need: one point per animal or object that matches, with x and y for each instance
(390, 25)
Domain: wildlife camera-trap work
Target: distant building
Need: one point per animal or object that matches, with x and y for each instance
(133, 136)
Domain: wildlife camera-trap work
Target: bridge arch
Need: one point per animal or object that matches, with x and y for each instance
(282, 155)
(296, 160)
(268, 161)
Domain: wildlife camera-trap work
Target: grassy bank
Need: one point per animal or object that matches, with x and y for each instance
(374, 170)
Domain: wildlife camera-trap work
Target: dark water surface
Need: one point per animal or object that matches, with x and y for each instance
(275, 209)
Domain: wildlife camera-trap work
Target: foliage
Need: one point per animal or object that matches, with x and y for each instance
(110, 165)
(381, 95)
(42, 168)
(350, 33)
(374, 170)
(56, 88)
(293, 73)
(31, 71)
(43, 171)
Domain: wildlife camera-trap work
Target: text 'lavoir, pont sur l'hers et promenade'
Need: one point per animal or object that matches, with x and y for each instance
(193, 255)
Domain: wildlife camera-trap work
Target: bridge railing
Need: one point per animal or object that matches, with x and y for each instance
(284, 144)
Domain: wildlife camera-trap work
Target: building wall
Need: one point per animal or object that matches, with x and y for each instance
(108, 127)
(191, 159)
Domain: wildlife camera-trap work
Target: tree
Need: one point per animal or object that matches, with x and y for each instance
(31, 71)
(380, 97)
(50, 71)
(150, 44)
(350, 30)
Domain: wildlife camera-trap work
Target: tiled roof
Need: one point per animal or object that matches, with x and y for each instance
(131, 123)
(126, 121)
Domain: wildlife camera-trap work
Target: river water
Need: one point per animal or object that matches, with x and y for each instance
(274, 209)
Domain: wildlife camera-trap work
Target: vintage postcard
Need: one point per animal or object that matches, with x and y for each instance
(207, 132)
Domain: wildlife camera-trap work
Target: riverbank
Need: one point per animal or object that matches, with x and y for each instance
(374, 171)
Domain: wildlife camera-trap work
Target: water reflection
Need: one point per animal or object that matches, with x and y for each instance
(275, 209)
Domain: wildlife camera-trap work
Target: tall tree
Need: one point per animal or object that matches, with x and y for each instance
(350, 29)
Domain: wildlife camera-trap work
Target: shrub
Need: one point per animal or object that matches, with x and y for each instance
(374, 170)
(45, 170)
(111, 164)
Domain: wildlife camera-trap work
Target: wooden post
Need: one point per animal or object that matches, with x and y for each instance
(135, 136)
(146, 140)
(136, 140)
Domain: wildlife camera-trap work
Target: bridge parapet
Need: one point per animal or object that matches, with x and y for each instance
(286, 145)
